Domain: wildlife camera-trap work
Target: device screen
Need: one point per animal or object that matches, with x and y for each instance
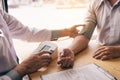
(45, 48)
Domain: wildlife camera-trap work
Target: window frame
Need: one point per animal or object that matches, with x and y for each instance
(5, 5)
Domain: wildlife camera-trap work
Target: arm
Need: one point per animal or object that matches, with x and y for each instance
(77, 42)
(80, 42)
(11, 75)
(28, 66)
(71, 32)
(66, 57)
(19, 31)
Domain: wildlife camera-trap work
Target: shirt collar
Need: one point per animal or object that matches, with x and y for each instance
(101, 1)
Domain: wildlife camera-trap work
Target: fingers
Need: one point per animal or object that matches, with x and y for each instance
(66, 59)
(44, 63)
(46, 58)
(44, 52)
(75, 26)
(65, 63)
(102, 53)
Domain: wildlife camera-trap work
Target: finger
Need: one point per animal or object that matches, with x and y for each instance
(99, 51)
(70, 63)
(62, 54)
(75, 26)
(44, 52)
(99, 56)
(45, 60)
(105, 57)
(60, 61)
(73, 35)
(44, 64)
(67, 63)
(42, 58)
(101, 48)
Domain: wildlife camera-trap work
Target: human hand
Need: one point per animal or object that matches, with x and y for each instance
(73, 30)
(33, 63)
(107, 52)
(66, 59)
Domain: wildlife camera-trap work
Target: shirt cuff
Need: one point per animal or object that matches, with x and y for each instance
(55, 35)
(14, 75)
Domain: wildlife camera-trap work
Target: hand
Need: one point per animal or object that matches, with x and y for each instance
(33, 63)
(73, 31)
(66, 59)
(107, 52)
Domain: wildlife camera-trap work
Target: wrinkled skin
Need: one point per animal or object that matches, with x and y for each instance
(107, 52)
(66, 59)
(33, 63)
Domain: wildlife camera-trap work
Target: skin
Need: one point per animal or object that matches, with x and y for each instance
(103, 53)
(33, 63)
(42, 59)
(107, 52)
(71, 32)
(66, 57)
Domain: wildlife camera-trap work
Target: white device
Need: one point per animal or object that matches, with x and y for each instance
(48, 46)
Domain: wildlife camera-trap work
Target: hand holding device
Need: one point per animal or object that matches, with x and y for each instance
(49, 47)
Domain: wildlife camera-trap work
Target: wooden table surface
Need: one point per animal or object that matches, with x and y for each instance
(84, 58)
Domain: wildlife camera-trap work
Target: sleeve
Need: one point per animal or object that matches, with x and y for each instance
(90, 21)
(12, 75)
(19, 31)
(55, 35)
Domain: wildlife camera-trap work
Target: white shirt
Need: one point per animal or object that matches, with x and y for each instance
(107, 20)
(12, 28)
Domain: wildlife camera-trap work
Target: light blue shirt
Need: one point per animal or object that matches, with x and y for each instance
(107, 20)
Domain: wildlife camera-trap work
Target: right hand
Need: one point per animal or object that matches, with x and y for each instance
(33, 63)
(66, 59)
(73, 30)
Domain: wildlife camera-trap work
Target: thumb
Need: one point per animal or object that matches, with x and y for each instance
(79, 25)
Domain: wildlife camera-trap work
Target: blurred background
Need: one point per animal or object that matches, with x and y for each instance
(68, 3)
(51, 14)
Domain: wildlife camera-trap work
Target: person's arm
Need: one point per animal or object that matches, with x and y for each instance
(28, 66)
(20, 31)
(11, 75)
(79, 43)
(71, 32)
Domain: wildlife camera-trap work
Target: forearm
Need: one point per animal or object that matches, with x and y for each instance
(79, 43)
(11, 75)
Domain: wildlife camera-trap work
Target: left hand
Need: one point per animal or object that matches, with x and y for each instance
(107, 52)
(66, 59)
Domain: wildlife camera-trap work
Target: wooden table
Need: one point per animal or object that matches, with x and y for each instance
(84, 58)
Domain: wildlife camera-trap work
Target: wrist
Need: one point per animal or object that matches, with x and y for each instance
(14, 75)
(21, 70)
(64, 32)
